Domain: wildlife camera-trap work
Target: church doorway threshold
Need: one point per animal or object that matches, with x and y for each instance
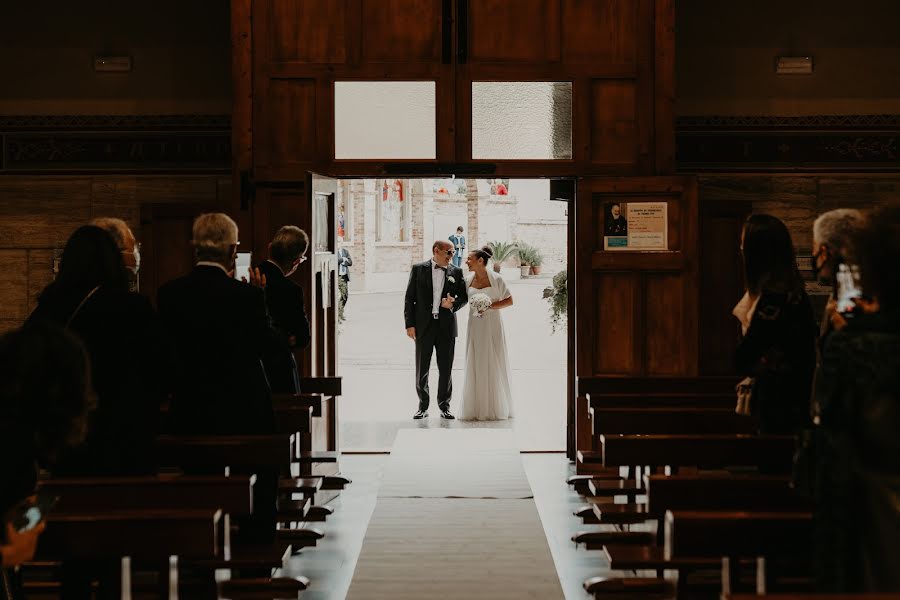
(383, 227)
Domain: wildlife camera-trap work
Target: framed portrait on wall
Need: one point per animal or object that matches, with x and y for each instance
(637, 226)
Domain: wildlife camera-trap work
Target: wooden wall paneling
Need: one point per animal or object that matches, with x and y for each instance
(308, 31)
(644, 86)
(41, 212)
(524, 31)
(614, 124)
(166, 248)
(664, 87)
(285, 131)
(721, 283)
(14, 291)
(241, 108)
(618, 343)
(667, 350)
(602, 32)
(399, 31)
(644, 304)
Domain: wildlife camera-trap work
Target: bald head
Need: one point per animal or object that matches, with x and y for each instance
(441, 251)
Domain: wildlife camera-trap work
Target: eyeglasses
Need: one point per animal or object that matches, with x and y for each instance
(450, 252)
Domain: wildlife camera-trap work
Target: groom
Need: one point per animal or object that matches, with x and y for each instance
(436, 290)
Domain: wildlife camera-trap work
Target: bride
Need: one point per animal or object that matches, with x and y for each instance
(487, 395)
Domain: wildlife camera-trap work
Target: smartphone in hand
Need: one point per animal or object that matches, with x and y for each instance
(27, 515)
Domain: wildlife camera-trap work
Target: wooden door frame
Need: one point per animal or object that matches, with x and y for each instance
(570, 275)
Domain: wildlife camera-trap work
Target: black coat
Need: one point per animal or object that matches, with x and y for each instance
(779, 350)
(418, 301)
(857, 517)
(284, 299)
(221, 331)
(130, 365)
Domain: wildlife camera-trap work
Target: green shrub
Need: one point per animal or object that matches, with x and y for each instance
(558, 297)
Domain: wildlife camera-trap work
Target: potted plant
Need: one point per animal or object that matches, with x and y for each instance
(558, 297)
(526, 252)
(502, 251)
(537, 259)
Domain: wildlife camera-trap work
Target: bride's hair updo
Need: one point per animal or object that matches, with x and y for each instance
(484, 253)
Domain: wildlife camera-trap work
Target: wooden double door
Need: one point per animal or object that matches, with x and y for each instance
(608, 68)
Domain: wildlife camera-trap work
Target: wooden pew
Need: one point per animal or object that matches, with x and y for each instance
(295, 414)
(232, 495)
(770, 453)
(150, 536)
(246, 453)
(219, 452)
(679, 492)
(669, 420)
(659, 421)
(701, 492)
(140, 534)
(731, 536)
(721, 491)
(640, 392)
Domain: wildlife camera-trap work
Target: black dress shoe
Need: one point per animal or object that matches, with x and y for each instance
(445, 414)
(422, 414)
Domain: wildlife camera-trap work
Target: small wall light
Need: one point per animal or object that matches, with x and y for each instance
(112, 64)
(794, 65)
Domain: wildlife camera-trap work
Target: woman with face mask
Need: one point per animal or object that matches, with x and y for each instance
(120, 329)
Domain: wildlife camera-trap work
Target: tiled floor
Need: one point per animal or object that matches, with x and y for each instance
(330, 565)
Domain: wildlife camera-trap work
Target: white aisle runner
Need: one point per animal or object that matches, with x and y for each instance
(455, 518)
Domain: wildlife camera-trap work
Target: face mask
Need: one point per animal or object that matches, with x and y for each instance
(817, 268)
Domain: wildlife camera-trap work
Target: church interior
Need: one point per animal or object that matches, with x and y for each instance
(709, 361)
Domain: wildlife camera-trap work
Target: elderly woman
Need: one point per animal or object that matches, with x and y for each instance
(120, 329)
(858, 394)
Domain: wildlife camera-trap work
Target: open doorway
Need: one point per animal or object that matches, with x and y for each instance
(384, 226)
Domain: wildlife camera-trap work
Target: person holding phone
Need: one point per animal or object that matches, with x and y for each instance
(832, 253)
(43, 413)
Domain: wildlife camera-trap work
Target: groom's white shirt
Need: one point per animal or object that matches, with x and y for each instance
(437, 283)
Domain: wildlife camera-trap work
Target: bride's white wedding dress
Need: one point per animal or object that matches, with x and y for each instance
(487, 395)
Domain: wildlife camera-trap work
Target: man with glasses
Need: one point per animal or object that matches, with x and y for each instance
(436, 290)
(221, 332)
(284, 298)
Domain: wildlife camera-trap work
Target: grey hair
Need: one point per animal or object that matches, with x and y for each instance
(836, 229)
(214, 234)
(289, 244)
(117, 228)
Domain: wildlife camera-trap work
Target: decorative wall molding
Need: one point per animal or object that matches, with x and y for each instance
(113, 122)
(115, 143)
(833, 143)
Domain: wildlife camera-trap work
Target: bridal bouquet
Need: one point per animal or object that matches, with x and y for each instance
(479, 303)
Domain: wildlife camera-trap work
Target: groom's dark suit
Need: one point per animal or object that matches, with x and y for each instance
(433, 333)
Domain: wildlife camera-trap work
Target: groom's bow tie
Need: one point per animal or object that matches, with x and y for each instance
(440, 267)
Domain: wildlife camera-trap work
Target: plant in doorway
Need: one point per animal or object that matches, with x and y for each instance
(558, 297)
(526, 253)
(502, 251)
(537, 259)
